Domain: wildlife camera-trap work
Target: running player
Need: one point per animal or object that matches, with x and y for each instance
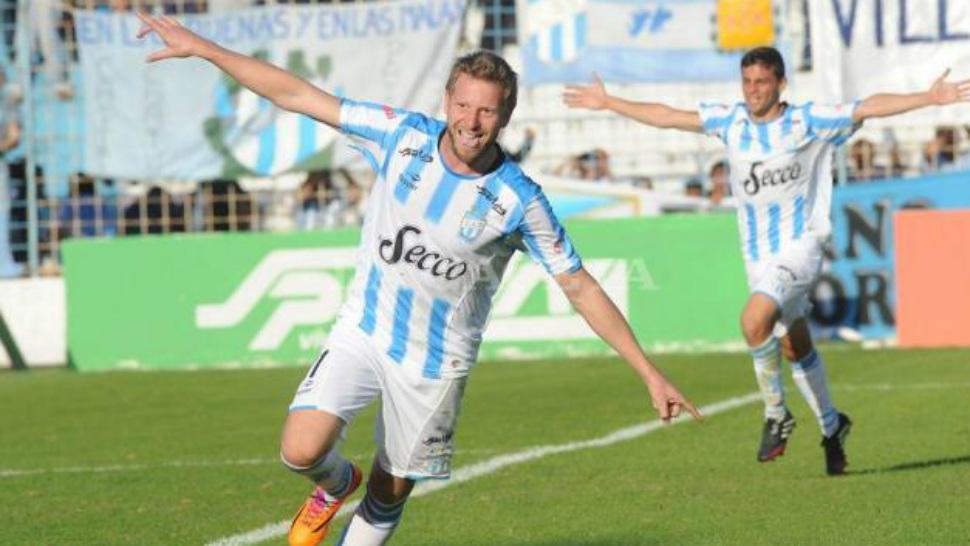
(447, 212)
(780, 158)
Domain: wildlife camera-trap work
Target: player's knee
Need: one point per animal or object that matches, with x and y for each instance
(307, 437)
(388, 489)
(298, 457)
(754, 327)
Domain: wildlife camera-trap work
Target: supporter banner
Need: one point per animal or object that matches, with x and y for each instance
(237, 300)
(862, 47)
(184, 119)
(858, 288)
(623, 41)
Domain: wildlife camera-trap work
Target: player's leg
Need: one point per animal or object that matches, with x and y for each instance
(309, 447)
(379, 512)
(337, 386)
(415, 434)
(757, 325)
(808, 371)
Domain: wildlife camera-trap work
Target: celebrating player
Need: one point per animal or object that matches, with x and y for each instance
(447, 212)
(780, 158)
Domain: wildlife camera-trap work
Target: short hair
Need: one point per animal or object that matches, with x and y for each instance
(767, 57)
(722, 164)
(485, 65)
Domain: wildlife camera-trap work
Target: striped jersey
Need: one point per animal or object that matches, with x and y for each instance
(435, 243)
(780, 171)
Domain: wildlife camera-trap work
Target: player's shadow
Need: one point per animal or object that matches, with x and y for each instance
(918, 465)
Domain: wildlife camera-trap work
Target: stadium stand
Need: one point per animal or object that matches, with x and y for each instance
(46, 101)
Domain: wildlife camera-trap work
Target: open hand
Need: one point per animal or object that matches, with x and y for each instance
(592, 96)
(944, 92)
(180, 42)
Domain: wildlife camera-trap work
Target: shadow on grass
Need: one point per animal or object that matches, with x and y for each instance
(606, 541)
(918, 465)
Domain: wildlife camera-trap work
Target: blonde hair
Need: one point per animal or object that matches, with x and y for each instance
(485, 65)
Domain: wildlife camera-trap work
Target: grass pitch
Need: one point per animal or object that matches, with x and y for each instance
(190, 457)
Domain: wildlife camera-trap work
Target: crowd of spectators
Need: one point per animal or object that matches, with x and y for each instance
(85, 207)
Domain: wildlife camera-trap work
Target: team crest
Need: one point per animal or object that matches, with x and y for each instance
(471, 226)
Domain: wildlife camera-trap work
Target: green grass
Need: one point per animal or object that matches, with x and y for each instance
(169, 449)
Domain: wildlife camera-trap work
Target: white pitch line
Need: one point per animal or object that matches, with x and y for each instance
(14, 473)
(21, 472)
(489, 466)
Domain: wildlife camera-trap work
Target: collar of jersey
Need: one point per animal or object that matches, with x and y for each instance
(747, 115)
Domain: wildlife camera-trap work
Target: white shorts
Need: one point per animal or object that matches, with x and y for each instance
(415, 429)
(787, 279)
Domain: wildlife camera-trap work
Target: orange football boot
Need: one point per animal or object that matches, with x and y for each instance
(312, 520)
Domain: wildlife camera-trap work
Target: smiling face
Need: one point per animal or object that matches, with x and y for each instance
(475, 116)
(762, 90)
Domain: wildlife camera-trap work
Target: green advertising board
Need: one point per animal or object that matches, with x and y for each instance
(263, 299)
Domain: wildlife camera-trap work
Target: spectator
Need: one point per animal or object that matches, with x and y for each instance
(528, 141)
(718, 176)
(890, 146)
(9, 138)
(941, 151)
(19, 211)
(156, 212)
(44, 33)
(329, 199)
(86, 213)
(694, 188)
(862, 167)
(641, 182)
(227, 207)
(596, 165)
(591, 165)
(314, 195)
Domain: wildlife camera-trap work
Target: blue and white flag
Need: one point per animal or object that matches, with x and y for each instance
(625, 41)
(184, 119)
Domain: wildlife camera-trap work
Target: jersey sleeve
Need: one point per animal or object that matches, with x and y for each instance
(831, 122)
(370, 126)
(545, 239)
(716, 118)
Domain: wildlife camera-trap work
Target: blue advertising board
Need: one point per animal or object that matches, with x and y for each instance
(857, 288)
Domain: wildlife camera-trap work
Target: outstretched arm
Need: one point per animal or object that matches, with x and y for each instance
(589, 299)
(282, 88)
(595, 97)
(888, 104)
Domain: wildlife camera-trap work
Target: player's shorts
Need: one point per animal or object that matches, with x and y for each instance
(787, 278)
(416, 425)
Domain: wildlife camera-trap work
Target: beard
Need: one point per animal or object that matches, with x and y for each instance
(465, 154)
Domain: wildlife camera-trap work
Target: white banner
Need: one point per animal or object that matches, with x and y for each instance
(184, 119)
(862, 47)
(35, 312)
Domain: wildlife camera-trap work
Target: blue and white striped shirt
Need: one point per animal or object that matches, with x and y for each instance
(781, 170)
(435, 243)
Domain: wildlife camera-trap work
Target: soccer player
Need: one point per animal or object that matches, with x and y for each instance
(445, 215)
(780, 158)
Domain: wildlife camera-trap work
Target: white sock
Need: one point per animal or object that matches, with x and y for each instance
(767, 370)
(809, 376)
(373, 523)
(331, 472)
